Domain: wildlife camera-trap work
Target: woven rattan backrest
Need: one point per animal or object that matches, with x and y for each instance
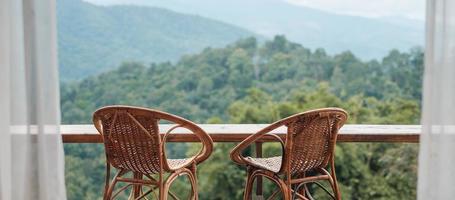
(311, 138)
(131, 138)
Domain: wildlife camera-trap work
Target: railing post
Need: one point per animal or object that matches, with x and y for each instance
(259, 195)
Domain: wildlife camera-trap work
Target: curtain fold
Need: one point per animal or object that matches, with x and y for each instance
(31, 148)
(436, 178)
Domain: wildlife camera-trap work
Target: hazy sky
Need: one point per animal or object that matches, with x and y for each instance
(369, 8)
(414, 9)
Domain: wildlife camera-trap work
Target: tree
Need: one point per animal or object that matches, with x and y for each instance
(252, 82)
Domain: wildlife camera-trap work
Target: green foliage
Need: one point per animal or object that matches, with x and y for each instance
(85, 169)
(204, 85)
(246, 82)
(220, 178)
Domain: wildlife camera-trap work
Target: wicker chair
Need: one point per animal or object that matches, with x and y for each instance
(307, 150)
(133, 144)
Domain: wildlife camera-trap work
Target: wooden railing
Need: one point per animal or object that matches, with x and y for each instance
(238, 132)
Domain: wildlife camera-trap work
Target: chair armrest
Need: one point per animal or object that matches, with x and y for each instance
(207, 145)
(203, 154)
(236, 153)
(163, 146)
(277, 138)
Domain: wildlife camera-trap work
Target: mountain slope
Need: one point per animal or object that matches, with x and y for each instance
(366, 37)
(93, 39)
(205, 84)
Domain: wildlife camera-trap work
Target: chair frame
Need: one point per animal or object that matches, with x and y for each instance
(290, 183)
(161, 183)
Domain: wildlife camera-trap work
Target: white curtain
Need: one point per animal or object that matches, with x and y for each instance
(31, 149)
(436, 178)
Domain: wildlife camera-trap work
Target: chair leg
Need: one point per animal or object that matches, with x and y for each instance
(302, 190)
(163, 195)
(248, 185)
(194, 189)
(162, 191)
(137, 188)
(307, 192)
(108, 193)
(167, 184)
(286, 189)
(336, 189)
(110, 188)
(193, 180)
(107, 179)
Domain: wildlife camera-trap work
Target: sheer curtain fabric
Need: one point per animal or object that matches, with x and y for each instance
(436, 178)
(31, 149)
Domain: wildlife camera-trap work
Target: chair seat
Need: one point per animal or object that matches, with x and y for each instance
(272, 164)
(175, 164)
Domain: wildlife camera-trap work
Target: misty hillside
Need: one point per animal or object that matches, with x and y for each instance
(366, 37)
(93, 39)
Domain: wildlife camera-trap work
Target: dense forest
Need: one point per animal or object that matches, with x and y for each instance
(253, 82)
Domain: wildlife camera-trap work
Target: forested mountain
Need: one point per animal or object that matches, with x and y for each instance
(366, 37)
(93, 39)
(204, 85)
(251, 82)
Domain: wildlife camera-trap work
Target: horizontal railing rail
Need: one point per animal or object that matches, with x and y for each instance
(238, 132)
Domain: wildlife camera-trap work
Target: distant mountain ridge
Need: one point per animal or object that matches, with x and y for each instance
(93, 39)
(367, 38)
